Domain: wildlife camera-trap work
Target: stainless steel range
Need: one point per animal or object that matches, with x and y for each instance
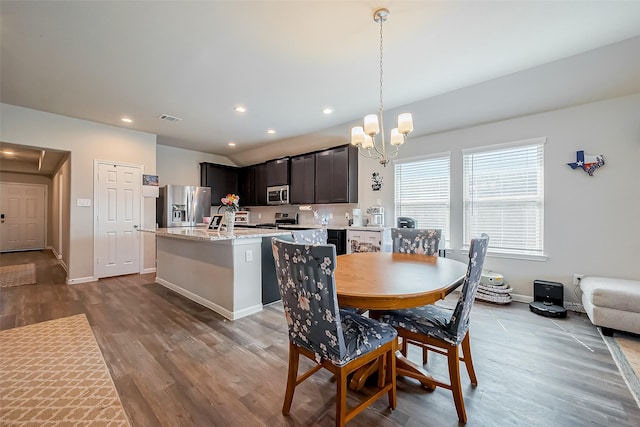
(281, 218)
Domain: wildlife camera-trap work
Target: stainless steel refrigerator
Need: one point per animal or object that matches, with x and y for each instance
(183, 206)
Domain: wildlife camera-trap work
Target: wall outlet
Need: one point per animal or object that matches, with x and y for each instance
(248, 255)
(346, 216)
(577, 278)
(330, 215)
(259, 216)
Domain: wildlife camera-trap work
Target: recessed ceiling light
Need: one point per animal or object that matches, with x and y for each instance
(240, 109)
(327, 110)
(231, 144)
(271, 131)
(126, 120)
(8, 152)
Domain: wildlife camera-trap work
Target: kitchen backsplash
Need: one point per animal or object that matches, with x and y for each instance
(331, 214)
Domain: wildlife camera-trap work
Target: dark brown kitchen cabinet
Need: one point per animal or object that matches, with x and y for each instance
(261, 184)
(221, 179)
(278, 172)
(339, 239)
(336, 176)
(247, 186)
(302, 187)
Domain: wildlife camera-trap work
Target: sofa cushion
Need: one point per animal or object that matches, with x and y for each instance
(619, 294)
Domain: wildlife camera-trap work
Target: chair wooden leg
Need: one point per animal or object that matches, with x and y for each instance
(454, 377)
(292, 376)
(404, 347)
(341, 398)
(391, 378)
(468, 361)
(425, 354)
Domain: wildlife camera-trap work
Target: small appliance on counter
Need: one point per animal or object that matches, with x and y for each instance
(406, 222)
(376, 213)
(357, 218)
(242, 218)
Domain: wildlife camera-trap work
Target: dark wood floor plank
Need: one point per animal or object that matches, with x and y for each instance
(176, 363)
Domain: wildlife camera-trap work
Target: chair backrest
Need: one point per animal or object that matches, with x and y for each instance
(416, 240)
(459, 323)
(316, 236)
(307, 287)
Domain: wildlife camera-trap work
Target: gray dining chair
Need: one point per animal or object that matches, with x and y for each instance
(423, 241)
(315, 236)
(443, 330)
(416, 240)
(338, 340)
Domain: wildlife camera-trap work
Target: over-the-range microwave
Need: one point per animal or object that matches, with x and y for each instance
(278, 195)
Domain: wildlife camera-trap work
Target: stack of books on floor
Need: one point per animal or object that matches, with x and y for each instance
(492, 288)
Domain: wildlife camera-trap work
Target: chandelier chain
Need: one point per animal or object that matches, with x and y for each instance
(381, 79)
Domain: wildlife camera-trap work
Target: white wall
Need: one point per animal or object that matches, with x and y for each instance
(87, 141)
(178, 166)
(592, 224)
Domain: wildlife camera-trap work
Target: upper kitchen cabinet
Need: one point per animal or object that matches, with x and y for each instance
(221, 178)
(247, 186)
(303, 172)
(261, 184)
(337, 175)
(277, 172)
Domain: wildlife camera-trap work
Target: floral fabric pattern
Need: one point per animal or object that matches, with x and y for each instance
(316, 236)
(307, 286)
(436, 322)
(416, 240)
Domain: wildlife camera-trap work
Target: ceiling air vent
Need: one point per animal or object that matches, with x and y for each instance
(169, 118)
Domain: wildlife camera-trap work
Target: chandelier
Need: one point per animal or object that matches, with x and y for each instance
(365, 137)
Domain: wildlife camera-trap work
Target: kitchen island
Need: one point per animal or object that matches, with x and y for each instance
(219, 271)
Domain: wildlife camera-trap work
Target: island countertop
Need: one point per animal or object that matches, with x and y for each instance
(204, 234)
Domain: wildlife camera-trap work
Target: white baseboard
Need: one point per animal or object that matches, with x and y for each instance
(148, 270)
(231, 315)
(55, 253)
(81, 280)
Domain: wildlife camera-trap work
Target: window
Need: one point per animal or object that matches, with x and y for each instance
(504, 196)
(422, 192)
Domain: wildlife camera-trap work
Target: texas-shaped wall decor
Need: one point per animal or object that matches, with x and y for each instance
(589, 164)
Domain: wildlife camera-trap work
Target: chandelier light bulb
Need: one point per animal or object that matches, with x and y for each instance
(371, 126)
(357, 135)
(405, 123)
(368, 142)
(396, 137)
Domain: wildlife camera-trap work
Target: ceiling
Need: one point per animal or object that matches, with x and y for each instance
(16, 158)
(284, 61)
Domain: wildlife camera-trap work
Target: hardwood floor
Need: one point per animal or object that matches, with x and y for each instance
(176, 363)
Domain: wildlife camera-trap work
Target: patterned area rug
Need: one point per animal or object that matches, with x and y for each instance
(16, 275)
(53, 374)
(625, 350)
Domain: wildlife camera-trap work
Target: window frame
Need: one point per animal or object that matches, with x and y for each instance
(399, 162)
(527, 254)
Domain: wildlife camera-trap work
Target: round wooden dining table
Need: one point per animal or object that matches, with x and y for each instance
(388, 280)
(378, 281)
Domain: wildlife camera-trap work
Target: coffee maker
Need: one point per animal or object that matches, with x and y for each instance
(376, 213)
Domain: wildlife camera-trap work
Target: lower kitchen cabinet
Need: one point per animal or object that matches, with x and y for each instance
(339, 239)
(370, 240)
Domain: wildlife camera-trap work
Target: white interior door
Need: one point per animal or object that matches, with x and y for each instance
(118, 217)
(22, 216)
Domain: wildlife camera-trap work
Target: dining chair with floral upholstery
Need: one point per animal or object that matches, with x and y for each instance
(314, 236)
(424, 241)
(416, 240)
(338, 340)
(443, 330)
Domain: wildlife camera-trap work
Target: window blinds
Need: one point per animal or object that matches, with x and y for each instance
(504, 197)
(422, 192)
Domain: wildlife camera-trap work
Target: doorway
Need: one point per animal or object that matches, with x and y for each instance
(118, 212)
(23, 213)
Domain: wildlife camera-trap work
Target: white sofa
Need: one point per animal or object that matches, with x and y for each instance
(612, 304)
